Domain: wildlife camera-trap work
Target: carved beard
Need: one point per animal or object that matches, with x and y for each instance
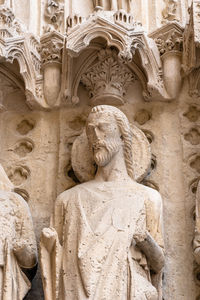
(105, 151)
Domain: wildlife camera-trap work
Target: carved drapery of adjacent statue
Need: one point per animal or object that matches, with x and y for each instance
(106, 234)
(18, 251)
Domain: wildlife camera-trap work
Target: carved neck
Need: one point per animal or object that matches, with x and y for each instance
(115, 170)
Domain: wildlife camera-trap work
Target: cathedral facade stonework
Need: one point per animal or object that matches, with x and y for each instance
(99, 154)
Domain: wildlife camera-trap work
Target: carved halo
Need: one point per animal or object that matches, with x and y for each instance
(84, 166)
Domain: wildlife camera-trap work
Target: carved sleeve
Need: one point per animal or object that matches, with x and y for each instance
(154, 217)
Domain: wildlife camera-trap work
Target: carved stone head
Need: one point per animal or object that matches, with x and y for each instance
(107, 130)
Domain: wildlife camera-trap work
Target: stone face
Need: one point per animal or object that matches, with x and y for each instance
(60, 58)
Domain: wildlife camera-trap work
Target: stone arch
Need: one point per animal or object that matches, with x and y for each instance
(128, 41)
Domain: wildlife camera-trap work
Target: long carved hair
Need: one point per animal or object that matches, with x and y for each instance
(126, 133)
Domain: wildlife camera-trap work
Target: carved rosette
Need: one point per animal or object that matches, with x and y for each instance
(107, 80)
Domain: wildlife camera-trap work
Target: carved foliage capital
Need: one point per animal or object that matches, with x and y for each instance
(169, 38)
(107, 78)
(51, 48)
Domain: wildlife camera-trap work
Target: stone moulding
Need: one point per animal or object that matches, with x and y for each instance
(17, 44)
(127, 37)
(54, 56)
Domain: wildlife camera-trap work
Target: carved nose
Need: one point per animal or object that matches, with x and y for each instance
(96, 132)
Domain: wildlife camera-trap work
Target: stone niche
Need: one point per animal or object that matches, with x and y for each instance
(102, 56)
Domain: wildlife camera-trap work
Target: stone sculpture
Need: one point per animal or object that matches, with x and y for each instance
(169, 12)
(105, 238)
(18, 252)
(54, 12)
(113, 4)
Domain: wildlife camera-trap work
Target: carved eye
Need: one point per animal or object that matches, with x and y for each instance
(90, 127)
(103, 126)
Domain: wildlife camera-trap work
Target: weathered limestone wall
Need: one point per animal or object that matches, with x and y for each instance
(36, 140)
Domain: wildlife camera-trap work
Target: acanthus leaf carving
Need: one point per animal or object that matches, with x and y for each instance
(50, 49)
(51, 46)
(107, 79)
(130, 40)
(169, 38)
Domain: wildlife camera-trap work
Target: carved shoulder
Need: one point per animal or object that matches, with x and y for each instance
(154, 197)
(154, 217)
(19, 203)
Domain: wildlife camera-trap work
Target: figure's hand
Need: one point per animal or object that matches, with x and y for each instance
(25, 254)
(140, 237)
(152, 251)
(48, 238)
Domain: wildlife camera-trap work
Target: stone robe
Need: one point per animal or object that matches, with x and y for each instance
(95, 256)
(15, 225)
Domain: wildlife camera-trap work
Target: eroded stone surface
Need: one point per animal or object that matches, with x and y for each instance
(18, 252)
(43, 103)
(114, 238)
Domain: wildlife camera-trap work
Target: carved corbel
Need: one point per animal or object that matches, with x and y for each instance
(108, 79)
(51, 56)
(169, 40)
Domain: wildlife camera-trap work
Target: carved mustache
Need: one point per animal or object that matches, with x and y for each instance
(99, 144)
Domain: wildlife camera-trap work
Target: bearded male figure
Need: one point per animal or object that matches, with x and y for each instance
(18, 250)
(106, 234)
